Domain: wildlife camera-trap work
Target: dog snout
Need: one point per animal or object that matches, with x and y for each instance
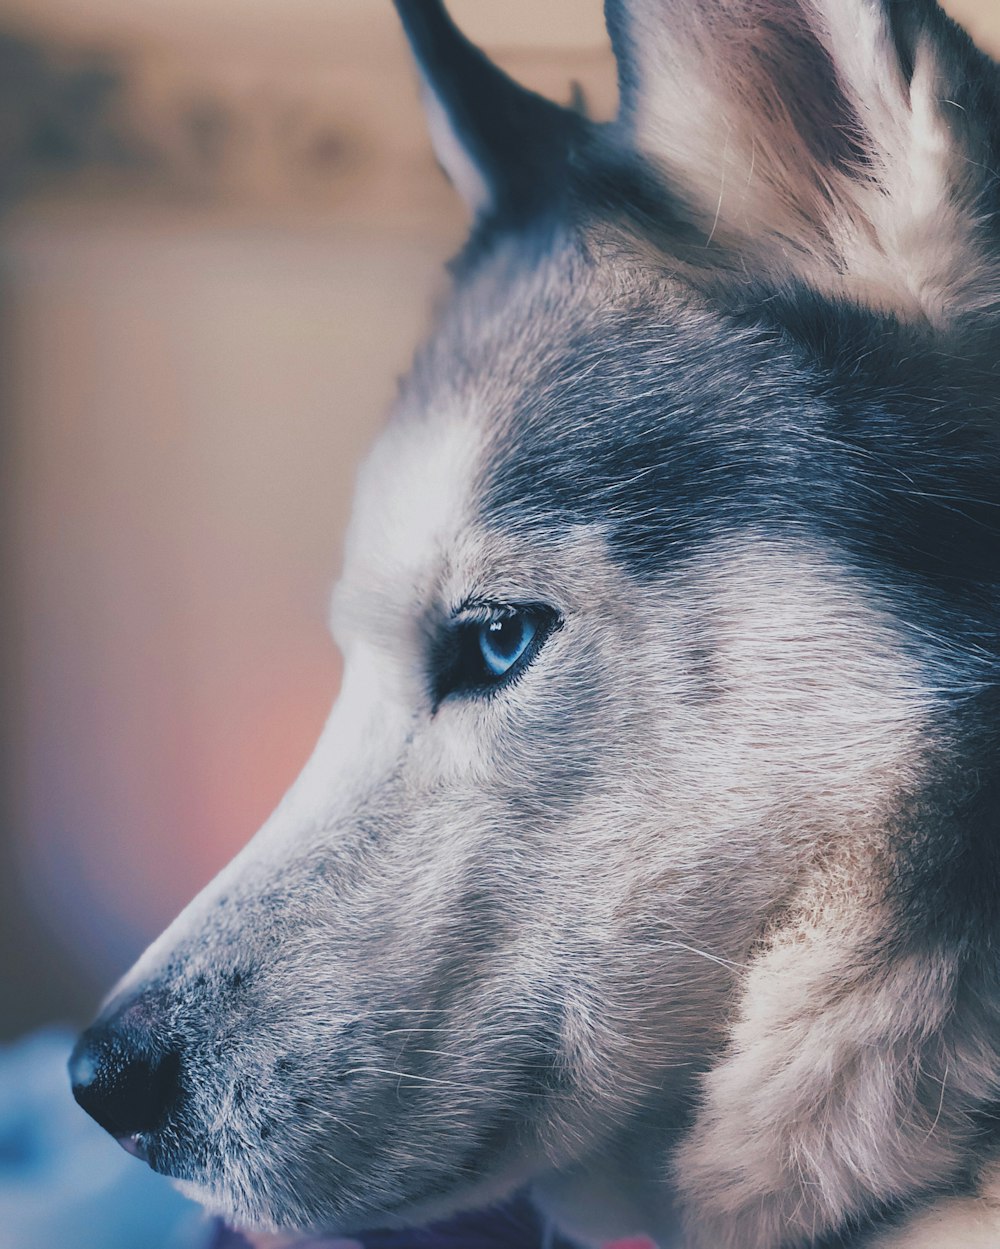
(127, 1075)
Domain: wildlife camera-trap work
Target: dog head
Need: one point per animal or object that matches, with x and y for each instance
(663, 639)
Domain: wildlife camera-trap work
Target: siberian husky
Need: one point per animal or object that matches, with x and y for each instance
(650, 858)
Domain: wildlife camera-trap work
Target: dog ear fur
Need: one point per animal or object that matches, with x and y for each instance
(853, 1085)
(849, 143)
(505, 149)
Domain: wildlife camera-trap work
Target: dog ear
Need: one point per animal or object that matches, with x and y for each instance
(851, 142)
(505, 149)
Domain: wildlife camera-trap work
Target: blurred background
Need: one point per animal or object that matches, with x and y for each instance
(222, 230)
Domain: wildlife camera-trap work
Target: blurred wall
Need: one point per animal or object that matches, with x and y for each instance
(224, 228)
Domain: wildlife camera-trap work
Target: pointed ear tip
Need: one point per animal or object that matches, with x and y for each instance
(501, 145)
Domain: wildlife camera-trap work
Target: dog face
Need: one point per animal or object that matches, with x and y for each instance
(648, 668)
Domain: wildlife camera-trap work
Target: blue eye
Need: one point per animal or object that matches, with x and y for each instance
(503, 641)
(488, 645)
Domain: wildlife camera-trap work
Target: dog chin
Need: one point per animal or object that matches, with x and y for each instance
(219, 1205)
(415, 1210)
(223, 1203)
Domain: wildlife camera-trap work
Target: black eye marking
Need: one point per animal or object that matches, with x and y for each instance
(487, 646)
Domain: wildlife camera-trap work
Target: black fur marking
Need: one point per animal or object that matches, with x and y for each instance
(520, 141)
(632, 431)
(798, 415)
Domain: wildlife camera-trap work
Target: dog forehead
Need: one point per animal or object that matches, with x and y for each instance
(422, 537)
(561, 390)
(414, 498)
(419, 509)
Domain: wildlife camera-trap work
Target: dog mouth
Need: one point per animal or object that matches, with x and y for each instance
(135, 1144)
(277, 1187)
(169, 1152)
(281, 1189)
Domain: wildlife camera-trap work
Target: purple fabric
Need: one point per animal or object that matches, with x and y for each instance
(515, 1226)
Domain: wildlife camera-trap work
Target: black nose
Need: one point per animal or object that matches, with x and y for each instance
(126, 1076)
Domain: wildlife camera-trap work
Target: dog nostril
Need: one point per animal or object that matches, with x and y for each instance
(124, 1081)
